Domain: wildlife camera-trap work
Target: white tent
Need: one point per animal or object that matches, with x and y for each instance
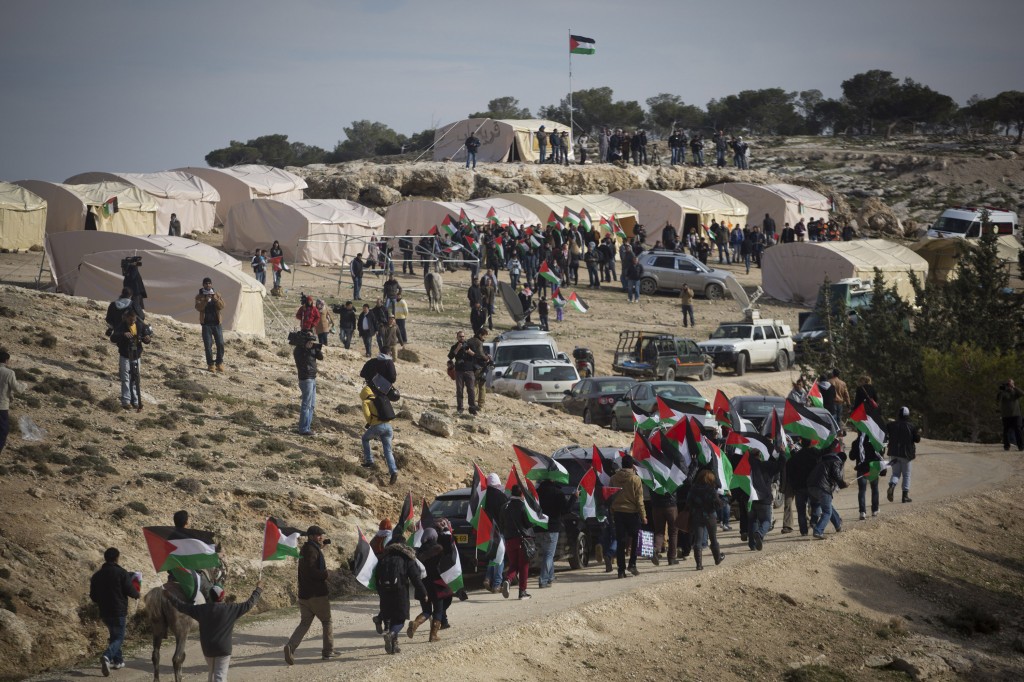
(597, 205)
(22, 217)
(310, 231)
(500, 139)
(242, 183)
(942, 255)
(66, 206)
(794, 272)
(191, 198)
(65, 250)
(686, 208)
(783, 202)
(420, 215)
(172, 281)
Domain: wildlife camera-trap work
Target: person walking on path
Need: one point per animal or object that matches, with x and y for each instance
(494, 502)
(396, 570)
(865, 391)
(392, 337)
(367, 326)
(628, 510)
(209, 304)
(553, 503)
(842, 399)
(762, 473)
(703, 502)
(9, 385)
(324, 325)
(1009, 396)
(862, 454)
(462, 358)
(686, 302)
(110, 588)
(216, 626)
(347, 324)
(664, 511)
(903, 437)
(517, 530)
(825, 478)
(314, 601)
(401, 315)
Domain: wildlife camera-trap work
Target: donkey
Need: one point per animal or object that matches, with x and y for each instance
(165, 620)
(434, 287)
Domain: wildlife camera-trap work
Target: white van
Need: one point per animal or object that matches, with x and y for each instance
(965, 222)
(525, 344)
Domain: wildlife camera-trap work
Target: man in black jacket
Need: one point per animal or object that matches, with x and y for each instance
(129, 336)
(367, 326)
(356, 270)
(313, 599)
(347, 324)
(553, 503)
(462, 358)
(825, 478)
(216, 625)
(306, 354)
(110, 588)
(760, 517)
(406, 247)
(903, 435)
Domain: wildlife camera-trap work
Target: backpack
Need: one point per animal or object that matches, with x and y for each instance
(391, 574)
(382, 406)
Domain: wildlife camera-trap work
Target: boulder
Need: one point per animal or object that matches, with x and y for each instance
(15, 639)
(434, 423)
(877, 219)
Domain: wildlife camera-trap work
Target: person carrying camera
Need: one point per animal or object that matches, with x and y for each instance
(133, 282)
(209, 304)
(306, 353)
(129, 336)
(462, 359)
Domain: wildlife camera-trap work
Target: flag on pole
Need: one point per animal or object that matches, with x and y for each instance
(492, 217)
(171, 547)
(554, 221)
(815, 395)
(499, 249)
(776, 435)
(867, 419)
(581, 45)
(586, 224)
(751, 442)
(464, 218)
(279, 541)
(450, 566)
(741, 479)
(723, 409)
(110, 206)
(538, 467)
(803, 423)
(477, 490)
(571, 217)
(426, 521)
(533, 510)
(406, 526)
(448, 226)
(546, 273)
(364, 562)
(577, 303)
(875, 469)
(585, 492)
(513, 231)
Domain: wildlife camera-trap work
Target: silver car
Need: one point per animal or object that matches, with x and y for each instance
(669, 270)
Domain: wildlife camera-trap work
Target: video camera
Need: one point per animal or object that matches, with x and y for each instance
(129, 262)
(301, 338)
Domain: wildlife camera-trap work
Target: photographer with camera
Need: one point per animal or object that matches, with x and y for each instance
(483, 361)
(129, 335)
(117, 309)
(133, 283)
(209, 304)
(307, 352)
(462, 359)
(308, 315)
(1009, 396)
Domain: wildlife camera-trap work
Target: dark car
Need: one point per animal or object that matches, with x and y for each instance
(452, 505)
(644, 395)
(594, 398)
(578, 538)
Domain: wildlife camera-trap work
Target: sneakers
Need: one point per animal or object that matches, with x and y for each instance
(656, 558)
(333, 653)
(874, 514)
(394, 478)
(389, 643)
(525, 595)
(863, 516)
(117, 666)
(819, 536)
(889, 492)
(504, 588)
(378, 623)
(726, 526)
(289, 658)
(632, 569)
(105, 666)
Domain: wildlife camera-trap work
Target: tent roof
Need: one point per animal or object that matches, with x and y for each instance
(869, 253)
(98, 193)
(702, 201)
(528, 124)
(333, 212)
(803, 195)
(265, 179)
(164, 184)
(18, 198)
(597, 205)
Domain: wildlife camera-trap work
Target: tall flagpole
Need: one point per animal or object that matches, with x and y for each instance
(571, 129)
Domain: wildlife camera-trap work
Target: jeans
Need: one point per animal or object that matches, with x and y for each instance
(595, 279)
(217, 668)
(308, 389)
(213, 333)
(862, 486)
(720, 158)
(746, 262)
(277, 278)
(608, 542)
(760, 520)
(385, 433)
(828, 513)
(129, 395)
(632, 290)
(261, 277)
(700, 525)
(725, 512)
(723, 253)
(470, 156)
(543, 153)
(366, 342)
(627, 533)
(323, 338)
(346, 336)
(675, 156)
(116, 628)
(546, 543)
(900, 468)
(688, 312)
(357, 287)
(493, 575)
(314, 607)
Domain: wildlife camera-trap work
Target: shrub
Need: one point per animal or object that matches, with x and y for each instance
(258, 503)
(75, 423)
(165, 420)
(109, 405)
(47, 340)
(196, 461)
(139, 507)
(69, 388)
(971, 620)
(161, 476)
(119, 514)
(357, 497)
(245, 417)
(271, 445)
(271, 474)
(189, 485)
(218, 437)
(188, 440)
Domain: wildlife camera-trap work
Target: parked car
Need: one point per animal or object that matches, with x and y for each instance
(752, 343)
(538, 381)
(669, 271)
(756, 408)
(594, 398)
(520, 344)
(645, 396)
(452, 505)
(656, 355)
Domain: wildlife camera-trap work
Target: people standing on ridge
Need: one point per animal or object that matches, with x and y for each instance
(542, 144)
(472, 146)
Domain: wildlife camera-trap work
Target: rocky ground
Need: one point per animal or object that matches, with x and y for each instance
(223, 447)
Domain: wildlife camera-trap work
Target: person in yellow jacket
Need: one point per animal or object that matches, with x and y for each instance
(628, 508)
(401, 315)
(378, 413)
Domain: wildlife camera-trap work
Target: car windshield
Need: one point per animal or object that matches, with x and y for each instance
(732, 331)
(613, 386)
(677, 390)
(506, 355)
(759, 409)
(957, 225)
(555, 373)
(576, 468)
(449, 507)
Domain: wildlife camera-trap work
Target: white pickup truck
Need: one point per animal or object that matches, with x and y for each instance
(751, 343)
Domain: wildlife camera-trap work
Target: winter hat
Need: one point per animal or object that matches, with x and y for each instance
(492, 479)
(217, 593)
(904, 411)
(628, 462)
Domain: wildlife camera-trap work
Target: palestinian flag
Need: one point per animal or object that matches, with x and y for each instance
(644, 421)
(171, 547)
(483, 525)
(534, 242)
(464, 218)
(477, 490)
(492, 217)
(498, 248)
(741, 479)
(586, 224)
(751, 442)
(867, 419)
(110, 206)
(658, 471)
(617, 229)
(538, 467)
(426, 521)
(546, 273)
(723, 410)
(432, 231)
(448, 226)
(671, 410)
(451, 568)
(586, 493)
(570, 217)
(554, 221)
(581, 45)
(815, 395)
(533, 510)
(801, 422)
(512, 230)
(494, 554)
(776, 435)
(875, 469)
(406, 526)
(578, 303)
(598, 466)
(364, 562)
(675, 452)
(472, 243)
(723, 467)
(710, 234)
(604, 225)
(279, 541)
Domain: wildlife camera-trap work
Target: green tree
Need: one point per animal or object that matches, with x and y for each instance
(667, 112)
(769, 111)
(834, 350)
(870, 95)
(593, 108)
(918, 104)
(502, 108)
(831, 115)
(235, 153)
(271, 150)
(365, 139)
(1006, 109)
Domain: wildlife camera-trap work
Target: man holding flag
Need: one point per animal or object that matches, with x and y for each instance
(313, 599)
(629, 514)
(869, 466)
(110, 588)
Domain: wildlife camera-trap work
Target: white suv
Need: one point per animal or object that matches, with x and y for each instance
(538, 381)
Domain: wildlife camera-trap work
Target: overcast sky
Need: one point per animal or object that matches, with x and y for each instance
(139, 86)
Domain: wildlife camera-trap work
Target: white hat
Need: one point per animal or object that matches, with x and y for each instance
(904, 411)
(492, 479)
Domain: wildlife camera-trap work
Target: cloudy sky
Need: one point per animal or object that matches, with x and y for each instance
(132, 85)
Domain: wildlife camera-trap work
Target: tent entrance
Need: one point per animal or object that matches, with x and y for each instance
(691, 221)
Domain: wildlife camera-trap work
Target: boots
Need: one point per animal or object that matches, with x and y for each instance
(699, 559)
(906, 496)
(607, 564)
(435, 628)
(889, 492)
(719, 557)
(413, 624)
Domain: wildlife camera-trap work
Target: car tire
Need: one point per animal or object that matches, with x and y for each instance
(707, 373)
(588, 418)
(782, 361)
(648, 287)
(714, 292)
(670, 374)
(579, 551)
(741, 364)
